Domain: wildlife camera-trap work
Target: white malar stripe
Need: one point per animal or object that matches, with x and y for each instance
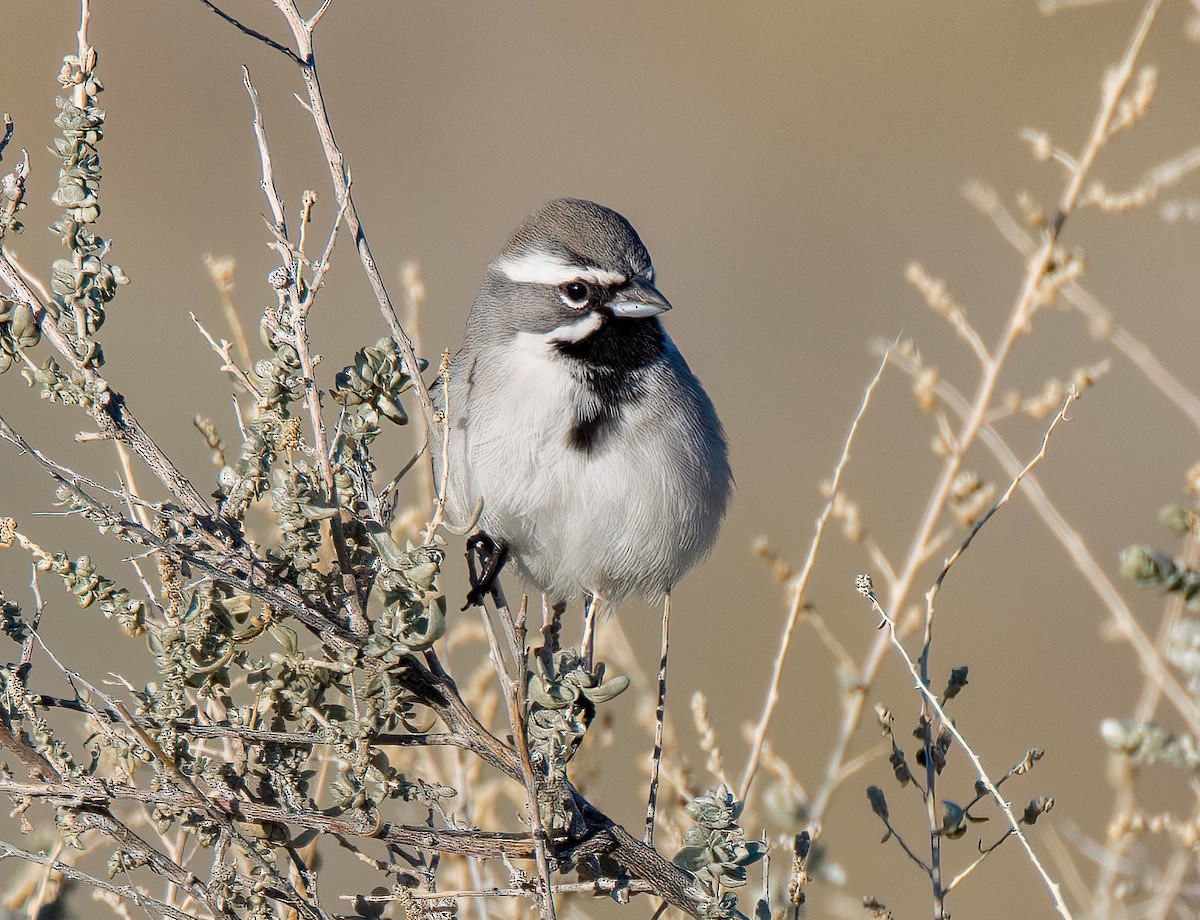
(539, 267)
(575, 331)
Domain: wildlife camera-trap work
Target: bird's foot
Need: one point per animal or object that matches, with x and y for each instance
(485, 559)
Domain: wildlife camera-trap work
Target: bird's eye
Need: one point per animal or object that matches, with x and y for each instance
(577, 292)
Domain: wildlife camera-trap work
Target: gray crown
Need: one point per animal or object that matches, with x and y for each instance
(564, 240)
(583, 233)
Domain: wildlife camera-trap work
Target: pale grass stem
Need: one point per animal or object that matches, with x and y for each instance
(799, 586)
(1152, 665)
(1031, 295)
(708, 738)
(221, 271)
(1101, 324)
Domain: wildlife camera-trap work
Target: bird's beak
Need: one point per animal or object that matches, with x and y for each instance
(637, 298)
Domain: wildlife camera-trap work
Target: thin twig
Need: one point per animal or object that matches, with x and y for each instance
(596, 886)
(9, 128)
(135, 504)
(439, 509)
(220, 271)
(931, 701)
(246, 30)
(908, 851)
(90, 793)
(587, 643)
(316, 17)
(973, 865)
(930, 725)
(240, 377)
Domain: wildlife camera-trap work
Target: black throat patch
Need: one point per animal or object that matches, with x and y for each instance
(609, 364)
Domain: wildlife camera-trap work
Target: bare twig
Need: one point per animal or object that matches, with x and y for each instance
(929, 724)
(587, 644)
(298, 307)
(221, 270)
(126, 892)
(439, 509)
(596, 886)
(932, 593)
(9, 128)
(302, 32)
(91, 793)
(229, 366)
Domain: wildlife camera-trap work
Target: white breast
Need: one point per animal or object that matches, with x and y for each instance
(630, 517)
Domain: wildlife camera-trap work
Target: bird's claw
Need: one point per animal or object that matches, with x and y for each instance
(491, 557)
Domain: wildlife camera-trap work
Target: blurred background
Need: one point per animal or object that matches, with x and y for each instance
(783, 162)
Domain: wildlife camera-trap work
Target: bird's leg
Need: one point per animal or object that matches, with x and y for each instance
(659, 717)
(491, 557)
(551, 631)
(587, 645)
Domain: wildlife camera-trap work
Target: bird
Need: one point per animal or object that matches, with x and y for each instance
(578, 441)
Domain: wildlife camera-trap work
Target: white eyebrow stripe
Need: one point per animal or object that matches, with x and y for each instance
(575, 331)
(538, 267)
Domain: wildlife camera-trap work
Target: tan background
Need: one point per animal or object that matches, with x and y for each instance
(783, 163)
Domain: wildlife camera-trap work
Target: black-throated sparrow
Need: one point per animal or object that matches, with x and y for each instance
(599, 459)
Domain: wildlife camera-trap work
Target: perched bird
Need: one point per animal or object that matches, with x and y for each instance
(599, 460)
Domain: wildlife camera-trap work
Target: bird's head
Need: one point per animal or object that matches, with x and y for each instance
(570, 268)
